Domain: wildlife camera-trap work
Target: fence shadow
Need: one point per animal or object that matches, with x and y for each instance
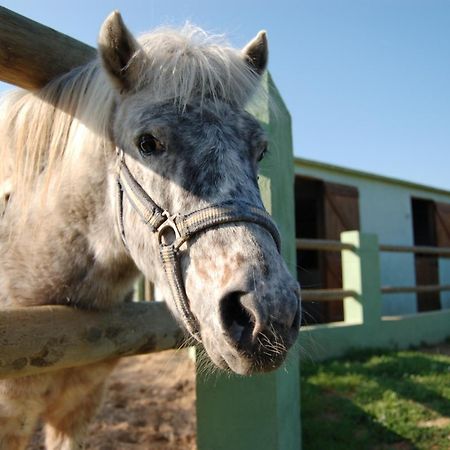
(334, 395)
(401, 374)
(342, 425)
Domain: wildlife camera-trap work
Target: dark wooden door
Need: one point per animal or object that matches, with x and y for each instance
(427, 273)
(425, 227)
(341, 213)
(309, 224)
(427, 267)
(442, 219)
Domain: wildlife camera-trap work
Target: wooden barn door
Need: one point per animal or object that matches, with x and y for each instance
(442, 214)
(323, 211)
(341, 213)
(425, 226)
(309, 225)
(442, 223)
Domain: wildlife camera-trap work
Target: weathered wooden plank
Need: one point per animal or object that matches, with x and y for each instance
(47, 338)
(426, 250)
(32, 54)
(322, 244)
(422, 288)
(327, 295)
(333, 245)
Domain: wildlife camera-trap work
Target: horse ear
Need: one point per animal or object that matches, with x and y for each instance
(117, 46)
(256, 53)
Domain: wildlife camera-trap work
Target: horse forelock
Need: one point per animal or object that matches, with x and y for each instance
(189, 64)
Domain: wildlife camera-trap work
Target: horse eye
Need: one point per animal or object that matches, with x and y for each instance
(262, 152)
(148, 144)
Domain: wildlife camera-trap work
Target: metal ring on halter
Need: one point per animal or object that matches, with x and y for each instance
(168, 224)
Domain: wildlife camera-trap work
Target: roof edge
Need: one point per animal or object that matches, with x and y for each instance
(363, 174)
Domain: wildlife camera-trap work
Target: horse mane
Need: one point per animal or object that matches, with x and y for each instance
(42, 133)
(187, 63)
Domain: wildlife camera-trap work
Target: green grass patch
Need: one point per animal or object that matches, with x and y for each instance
(377, 401)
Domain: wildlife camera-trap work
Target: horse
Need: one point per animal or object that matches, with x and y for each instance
(141, 161)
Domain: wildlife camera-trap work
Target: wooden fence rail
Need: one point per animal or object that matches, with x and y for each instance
(425, 250)
(326, 295)
(331, 295)
(322, 244)
(338, 294)
(364, 324)
(421, 288)
(337, 246)
(45, 338)
(32, 54)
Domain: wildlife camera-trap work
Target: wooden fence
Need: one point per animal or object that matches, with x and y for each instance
(233, 412)
(364, 325)
(339, 246)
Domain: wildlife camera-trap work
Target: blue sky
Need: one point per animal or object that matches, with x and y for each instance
(367, 82)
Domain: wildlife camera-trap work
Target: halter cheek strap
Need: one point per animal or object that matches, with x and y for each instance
(173, 230)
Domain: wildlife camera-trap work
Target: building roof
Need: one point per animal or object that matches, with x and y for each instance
(303, 162)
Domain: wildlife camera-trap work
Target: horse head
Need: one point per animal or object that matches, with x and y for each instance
(187, 157)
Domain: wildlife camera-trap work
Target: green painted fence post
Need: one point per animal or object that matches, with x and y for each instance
(260, 412)
(361, 273)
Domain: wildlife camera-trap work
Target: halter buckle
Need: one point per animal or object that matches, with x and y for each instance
(168, 232)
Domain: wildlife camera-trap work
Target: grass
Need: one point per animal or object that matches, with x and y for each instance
(377, 401)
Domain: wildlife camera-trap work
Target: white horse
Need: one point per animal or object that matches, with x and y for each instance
(143, 160)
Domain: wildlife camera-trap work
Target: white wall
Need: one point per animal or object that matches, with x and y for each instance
(385, 209)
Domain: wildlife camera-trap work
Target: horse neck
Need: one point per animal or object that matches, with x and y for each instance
(70, 246)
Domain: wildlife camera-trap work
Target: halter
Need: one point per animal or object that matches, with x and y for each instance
(173, 230)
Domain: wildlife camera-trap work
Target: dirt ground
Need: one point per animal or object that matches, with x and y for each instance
(149, 405)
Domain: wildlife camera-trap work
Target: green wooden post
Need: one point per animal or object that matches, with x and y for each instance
(361, 273)
(263, 411)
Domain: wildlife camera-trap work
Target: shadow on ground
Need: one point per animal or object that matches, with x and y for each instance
(377, 401)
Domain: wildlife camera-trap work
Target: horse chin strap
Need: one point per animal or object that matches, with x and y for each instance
(173, 230)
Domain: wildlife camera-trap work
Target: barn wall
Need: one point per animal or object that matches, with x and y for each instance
(385, 209)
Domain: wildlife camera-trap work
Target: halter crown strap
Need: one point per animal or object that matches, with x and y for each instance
(174, 230)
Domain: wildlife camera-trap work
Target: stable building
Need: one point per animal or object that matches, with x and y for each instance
(331, 199)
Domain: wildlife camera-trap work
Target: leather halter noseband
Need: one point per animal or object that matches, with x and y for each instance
(173, 230)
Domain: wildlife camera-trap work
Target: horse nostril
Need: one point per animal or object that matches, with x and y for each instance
(239, 321)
